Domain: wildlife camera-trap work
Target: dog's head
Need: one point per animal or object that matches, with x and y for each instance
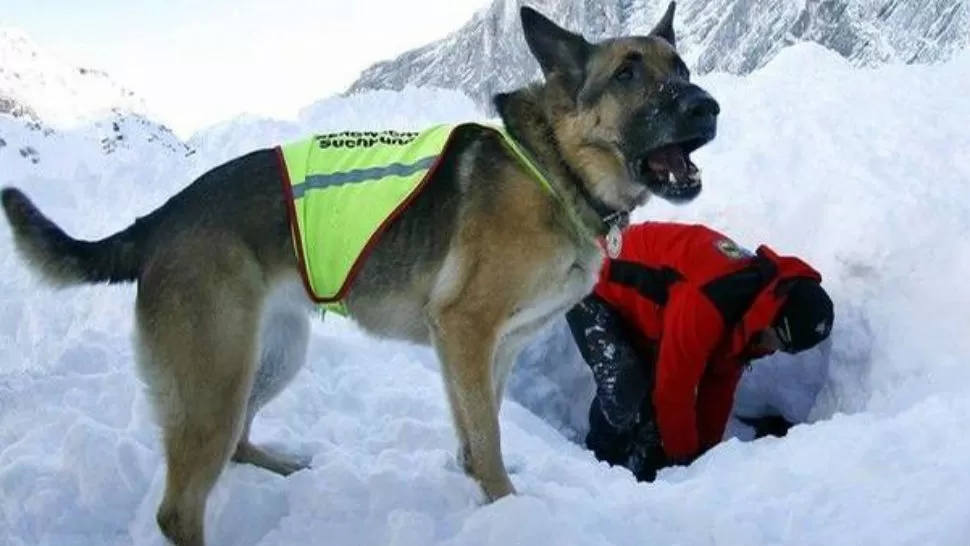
(623, 111)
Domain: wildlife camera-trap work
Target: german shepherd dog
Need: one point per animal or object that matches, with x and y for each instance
(482, 259)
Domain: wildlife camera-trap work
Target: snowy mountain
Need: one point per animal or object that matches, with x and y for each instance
(44, 98)
(42, 86)
(489, 54)
(862, 173)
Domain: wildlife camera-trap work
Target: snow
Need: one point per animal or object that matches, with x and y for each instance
(860, 172)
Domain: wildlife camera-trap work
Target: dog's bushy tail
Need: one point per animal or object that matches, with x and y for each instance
(62, 260)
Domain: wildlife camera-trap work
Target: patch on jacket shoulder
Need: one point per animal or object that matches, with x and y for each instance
(732, 250)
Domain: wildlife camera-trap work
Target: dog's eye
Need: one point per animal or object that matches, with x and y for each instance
(627, 72)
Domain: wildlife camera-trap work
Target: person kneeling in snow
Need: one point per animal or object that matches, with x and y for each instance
(668, 329)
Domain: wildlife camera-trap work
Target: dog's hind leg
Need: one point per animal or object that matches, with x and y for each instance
(284, 337)
(198, 314)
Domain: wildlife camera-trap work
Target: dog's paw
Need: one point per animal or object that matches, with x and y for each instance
(461, 462)
(263, 457)
(498, 489)
(288, 464)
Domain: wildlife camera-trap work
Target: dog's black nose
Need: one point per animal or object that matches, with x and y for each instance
(694, 102)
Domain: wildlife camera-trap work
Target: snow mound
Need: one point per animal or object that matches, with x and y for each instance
(862, 173)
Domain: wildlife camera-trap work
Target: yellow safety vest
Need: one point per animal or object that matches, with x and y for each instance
(343, 189)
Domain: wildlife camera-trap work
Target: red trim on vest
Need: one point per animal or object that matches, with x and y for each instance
(291, 216)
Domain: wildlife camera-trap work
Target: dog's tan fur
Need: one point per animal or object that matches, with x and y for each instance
(483, 259)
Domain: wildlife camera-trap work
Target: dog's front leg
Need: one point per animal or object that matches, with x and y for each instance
(465, 344)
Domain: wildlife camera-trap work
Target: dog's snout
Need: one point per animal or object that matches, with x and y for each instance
(694, 102)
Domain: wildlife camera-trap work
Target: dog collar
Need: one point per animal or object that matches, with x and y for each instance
(611, 218)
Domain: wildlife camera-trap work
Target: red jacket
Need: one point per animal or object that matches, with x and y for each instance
(698, 298)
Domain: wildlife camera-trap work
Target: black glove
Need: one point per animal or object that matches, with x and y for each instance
(646, 461)
(606, 442)
(768, 425)
(647, 454)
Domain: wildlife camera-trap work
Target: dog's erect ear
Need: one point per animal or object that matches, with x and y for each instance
(665, 27)
(557, 50)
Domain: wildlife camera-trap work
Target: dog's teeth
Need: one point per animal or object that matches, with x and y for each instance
(671, 178)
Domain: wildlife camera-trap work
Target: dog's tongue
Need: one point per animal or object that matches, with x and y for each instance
(669, 160)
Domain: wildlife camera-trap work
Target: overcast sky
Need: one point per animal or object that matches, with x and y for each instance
(197, 62)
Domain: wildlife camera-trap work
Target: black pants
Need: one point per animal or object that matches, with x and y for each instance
(622, 428)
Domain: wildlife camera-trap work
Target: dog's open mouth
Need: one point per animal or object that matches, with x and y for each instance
(669, 172)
